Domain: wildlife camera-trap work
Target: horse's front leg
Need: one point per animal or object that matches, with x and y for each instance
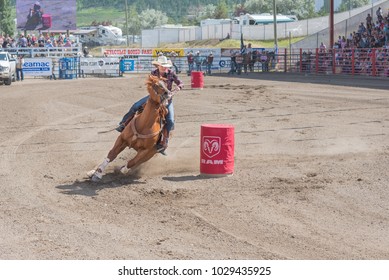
(141, 157)
(97, 173)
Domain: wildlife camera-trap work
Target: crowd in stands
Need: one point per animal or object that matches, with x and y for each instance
(365, 51)
(372, 34)
(36, 41)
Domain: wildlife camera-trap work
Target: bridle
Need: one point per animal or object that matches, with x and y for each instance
(164, 96)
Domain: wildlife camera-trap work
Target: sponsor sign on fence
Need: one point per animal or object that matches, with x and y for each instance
(37, 66)
(104, 65)
(127, 52)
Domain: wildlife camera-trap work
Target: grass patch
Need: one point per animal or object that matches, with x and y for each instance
(230, 43)
(85, 17)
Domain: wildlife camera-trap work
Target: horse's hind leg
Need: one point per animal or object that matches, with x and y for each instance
(141, 157)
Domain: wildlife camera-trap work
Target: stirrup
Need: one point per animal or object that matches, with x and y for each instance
(120, 128)
(161, 149)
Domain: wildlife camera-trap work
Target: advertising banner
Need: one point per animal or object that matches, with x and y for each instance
(128, 52)
(37, 66)
(127, 65)
(103, 65)
(169, 52)
(46, 15)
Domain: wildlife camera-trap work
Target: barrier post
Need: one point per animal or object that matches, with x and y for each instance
(373, 62)
(353, 62)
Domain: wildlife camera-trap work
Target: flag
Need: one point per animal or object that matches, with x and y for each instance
(241, 43)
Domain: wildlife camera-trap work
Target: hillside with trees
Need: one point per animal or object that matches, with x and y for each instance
(145, 14)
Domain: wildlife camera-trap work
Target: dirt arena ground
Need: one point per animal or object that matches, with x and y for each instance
(311, 176)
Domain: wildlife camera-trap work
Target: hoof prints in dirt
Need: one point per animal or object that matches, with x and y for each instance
(260, 88)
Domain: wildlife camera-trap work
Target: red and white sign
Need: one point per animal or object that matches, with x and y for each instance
(123, 52)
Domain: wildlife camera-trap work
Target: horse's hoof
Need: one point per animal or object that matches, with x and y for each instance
(91, 173)
(95, 175)
(96, 178)
(124, 170)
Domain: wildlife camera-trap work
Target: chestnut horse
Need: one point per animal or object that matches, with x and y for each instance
(143, 131)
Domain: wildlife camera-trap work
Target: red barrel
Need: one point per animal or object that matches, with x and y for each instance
(217, 149)
(46, 21)
(197, 79)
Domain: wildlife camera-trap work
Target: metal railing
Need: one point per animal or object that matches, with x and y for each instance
(367, 62)
(45, 51)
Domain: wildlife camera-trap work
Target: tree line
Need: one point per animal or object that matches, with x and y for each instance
(146, 14)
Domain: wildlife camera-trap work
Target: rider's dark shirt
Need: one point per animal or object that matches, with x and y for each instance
(170, 77)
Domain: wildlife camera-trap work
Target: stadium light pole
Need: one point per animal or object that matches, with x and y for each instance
(275, 24)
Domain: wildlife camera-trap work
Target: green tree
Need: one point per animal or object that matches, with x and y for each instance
(208, 11)
(6, 21)
(134, 24)
(151, 18)
(258, 6)
(307, 10)
(239, 9)
(221, 10)
(346, 5)
(303, 9)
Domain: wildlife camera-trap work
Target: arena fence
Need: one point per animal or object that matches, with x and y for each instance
(45, 51)
(71, 65)
(367, 62)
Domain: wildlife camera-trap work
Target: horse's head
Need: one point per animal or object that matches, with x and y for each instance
(157, 89)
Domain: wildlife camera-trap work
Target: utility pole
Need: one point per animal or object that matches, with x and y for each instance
(331, 47)
(275, 24)
(331, 24)
(126, 21)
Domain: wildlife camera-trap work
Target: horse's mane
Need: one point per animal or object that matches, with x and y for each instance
(152, 80)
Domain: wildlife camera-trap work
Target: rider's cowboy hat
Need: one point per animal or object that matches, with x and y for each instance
(162, 61)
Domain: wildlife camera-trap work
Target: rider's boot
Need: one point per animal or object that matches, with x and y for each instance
(163, 143)
(122, 125)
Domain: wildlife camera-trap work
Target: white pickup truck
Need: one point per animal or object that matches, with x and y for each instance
(7, 68)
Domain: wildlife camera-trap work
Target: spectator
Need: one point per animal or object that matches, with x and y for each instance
(19, 68)
(209, 63)
(233, 62)
(22, 41)
(198, 61)
(239, 63)
(264, 62)
(86, 51)
(361, 28)
(369, 23)
(49, 44)
(68, 43)
(173, 56)
(379, 14)
(322, 47)
(386, 32)
(190, 60)
(249, 57)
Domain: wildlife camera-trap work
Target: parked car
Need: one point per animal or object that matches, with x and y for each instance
(7, 68)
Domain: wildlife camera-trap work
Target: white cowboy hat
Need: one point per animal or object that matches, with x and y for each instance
(162, 61)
